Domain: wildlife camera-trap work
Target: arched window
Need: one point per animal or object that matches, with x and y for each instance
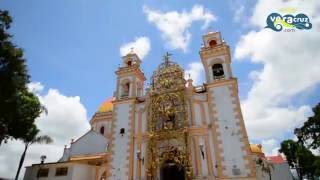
(217, 71)
(129, 63)
(125, 89)
(212, 43)
(102, 130)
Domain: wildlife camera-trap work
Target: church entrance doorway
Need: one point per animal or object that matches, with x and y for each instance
(171, 170)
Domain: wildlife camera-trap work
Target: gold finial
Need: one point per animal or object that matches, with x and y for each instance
(166, 57)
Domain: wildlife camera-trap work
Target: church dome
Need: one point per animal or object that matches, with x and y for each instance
(256, 148)
(106, 106)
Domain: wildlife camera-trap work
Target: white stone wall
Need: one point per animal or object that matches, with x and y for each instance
(280, 171)
(206, 113)
(106, 124)
(90, 143)
(83, 172)
(140, 118)
(75, 172)
(197, 114)
(212, 149)
(121, 142)
(230, 135)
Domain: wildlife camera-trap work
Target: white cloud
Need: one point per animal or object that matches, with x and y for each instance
(66, 119)
(238, 8)
(141, 46)
(35, 87)
(270, 147)
(290, 67)
(195, 70)
(238, 14)
(174, 25)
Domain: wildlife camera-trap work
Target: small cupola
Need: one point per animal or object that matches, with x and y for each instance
(212, 39)
(131, 60)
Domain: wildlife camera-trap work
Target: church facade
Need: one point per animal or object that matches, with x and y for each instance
(173, 130)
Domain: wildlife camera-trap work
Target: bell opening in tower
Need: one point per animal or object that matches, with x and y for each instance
(129, 63)
(217, 71)
(213, 43)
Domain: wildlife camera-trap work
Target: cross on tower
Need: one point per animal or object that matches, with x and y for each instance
(210, 29)
(132, 50)
(166, 58)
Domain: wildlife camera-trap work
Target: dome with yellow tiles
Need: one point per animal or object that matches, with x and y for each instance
(256, 148)
(106, 106)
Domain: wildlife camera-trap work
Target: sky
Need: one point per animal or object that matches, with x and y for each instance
(74, 47)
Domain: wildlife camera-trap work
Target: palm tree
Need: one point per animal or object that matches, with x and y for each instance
(30, 139)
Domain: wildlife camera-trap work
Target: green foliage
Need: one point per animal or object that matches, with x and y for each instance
(310, 131)
(316, 165)
(290, 149)
(300, 158)
(298, 155)
(18, 107)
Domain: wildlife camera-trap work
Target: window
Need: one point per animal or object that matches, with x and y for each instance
(213, 43)
(217, 71)
(43, 172)
(129, 63)
(126, 89)
(122, 131)
(62, 171)
(102, 130)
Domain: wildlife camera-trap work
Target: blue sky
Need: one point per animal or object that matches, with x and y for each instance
(72, 47)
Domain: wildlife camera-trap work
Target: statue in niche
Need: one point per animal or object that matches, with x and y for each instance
(126, 88)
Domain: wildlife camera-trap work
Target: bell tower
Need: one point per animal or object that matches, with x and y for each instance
(130, 79)
(130, 82)
(217, 66)
(232, 150)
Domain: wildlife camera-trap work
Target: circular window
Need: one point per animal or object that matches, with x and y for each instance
(212, 43)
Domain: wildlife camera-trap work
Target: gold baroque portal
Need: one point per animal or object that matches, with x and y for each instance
(167, 122)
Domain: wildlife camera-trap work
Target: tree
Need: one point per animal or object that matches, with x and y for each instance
(300, 158)
(310, 131)
(316, 165)
(31, 138)
(18, 107)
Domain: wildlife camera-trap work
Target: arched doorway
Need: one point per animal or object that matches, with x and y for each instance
(171, 170)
